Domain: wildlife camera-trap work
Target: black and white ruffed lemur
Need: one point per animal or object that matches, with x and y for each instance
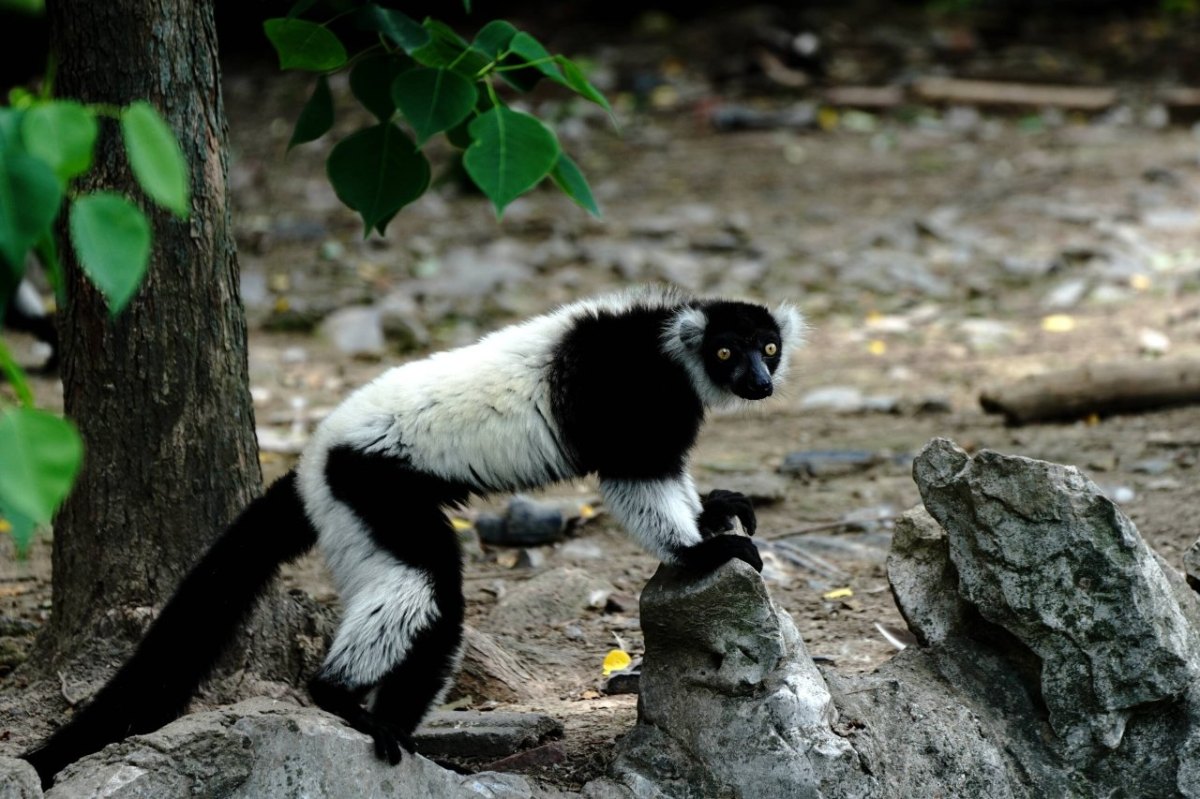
(616, 386)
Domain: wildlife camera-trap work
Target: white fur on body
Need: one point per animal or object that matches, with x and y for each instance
(481, 415)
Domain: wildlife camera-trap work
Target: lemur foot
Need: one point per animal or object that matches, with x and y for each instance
(721, 507)
(712, 552)
(390, 744)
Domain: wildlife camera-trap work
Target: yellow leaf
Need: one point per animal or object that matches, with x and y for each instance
(1139, 282)
(281, 304)
(5, 526)
(1058, 323)
(877, 347)
(838, 593)
(586, 511)
(827, 119)
(460, 524)
(1092, 419)
(616, 660)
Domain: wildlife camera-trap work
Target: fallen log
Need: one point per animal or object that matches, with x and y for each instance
(982, 92)
(1096, 389)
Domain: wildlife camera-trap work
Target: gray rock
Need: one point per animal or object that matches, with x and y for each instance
(840, 399)
(526, 522)
(355, 331)
(828, 462)
(924, 581)
(402, 322)
(1043, 554)
(529, 521)
(730, 703)
(761, 488)
(474, 734)
(18, 780)
(554, 597)
(847, 399)
(1191, 565)
(680, 269)
(261, 749)
(987, 335)
(1067, 294)
(888, 272)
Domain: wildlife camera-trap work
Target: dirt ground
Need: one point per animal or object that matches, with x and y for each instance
(926, 251)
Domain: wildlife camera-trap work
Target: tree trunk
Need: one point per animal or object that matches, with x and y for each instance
(160, 393)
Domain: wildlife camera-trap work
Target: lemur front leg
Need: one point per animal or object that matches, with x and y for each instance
(662, 515)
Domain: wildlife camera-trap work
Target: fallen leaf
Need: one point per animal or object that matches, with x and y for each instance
(616, 660)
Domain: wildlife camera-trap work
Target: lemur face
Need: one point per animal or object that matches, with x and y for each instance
(742, 347)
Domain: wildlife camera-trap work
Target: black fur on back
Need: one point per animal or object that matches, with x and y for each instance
(625, 408)
(192, 631)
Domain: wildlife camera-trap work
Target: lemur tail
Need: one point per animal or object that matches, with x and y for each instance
(189, 635)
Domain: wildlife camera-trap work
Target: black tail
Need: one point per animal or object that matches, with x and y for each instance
(190, 633)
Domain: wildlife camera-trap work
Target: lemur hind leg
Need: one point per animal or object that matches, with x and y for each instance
(399, 640)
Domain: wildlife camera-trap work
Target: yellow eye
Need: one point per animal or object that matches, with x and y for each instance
(724, 354)
(771, 349)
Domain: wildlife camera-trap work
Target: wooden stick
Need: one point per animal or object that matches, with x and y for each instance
(1100, 389)
(982, 92)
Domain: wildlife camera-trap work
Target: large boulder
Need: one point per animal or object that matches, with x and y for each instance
(263, 749)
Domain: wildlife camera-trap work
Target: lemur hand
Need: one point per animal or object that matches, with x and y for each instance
(720, 508)
(712, 552)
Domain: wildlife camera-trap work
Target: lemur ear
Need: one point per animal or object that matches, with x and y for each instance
(791, 326)
(686, 330)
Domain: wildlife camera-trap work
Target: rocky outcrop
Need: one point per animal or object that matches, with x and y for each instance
(1057, 657)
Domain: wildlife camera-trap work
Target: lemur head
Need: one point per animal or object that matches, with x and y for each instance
(734, 350)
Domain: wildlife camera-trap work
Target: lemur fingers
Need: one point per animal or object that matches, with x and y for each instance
(721, 507)
(712, 552)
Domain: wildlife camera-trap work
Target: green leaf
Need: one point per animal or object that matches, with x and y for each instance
(29, 198)
(433, 100)
(112, 239)
(395, 25)
(316, 117)
(22, 528)
(13, 371)
(304, 45)
(447, 49)
(576, 80)
(63, 134)
(371, 82)
(568, 177)
(300, 6)
(510, 153)
(40, 455)
(493, 38)
(376, 172)
(532, 51)
(10, 129)
(155, 157)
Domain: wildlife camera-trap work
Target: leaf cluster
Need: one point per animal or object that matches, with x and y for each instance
(423, 79)
(46, 147)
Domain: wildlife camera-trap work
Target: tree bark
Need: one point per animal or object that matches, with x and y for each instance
(161, 392)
